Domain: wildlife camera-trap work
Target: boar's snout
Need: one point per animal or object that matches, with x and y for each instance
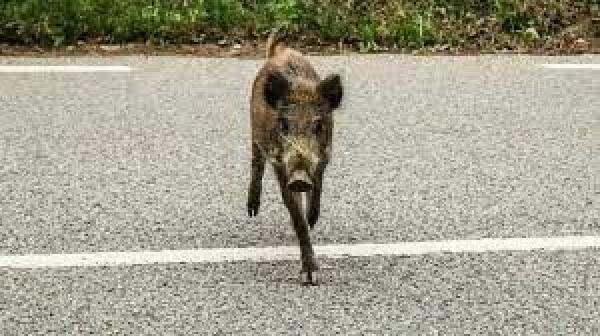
(300, 182)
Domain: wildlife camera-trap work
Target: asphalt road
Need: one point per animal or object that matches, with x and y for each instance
(424, 149)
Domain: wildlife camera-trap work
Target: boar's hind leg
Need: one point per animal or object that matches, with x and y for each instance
(294, 206)
(258, 169)
(314, 199)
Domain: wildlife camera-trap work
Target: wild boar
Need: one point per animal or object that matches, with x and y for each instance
(291, 113)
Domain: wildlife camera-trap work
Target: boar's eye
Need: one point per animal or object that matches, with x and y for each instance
(285, 127)
(318, 127)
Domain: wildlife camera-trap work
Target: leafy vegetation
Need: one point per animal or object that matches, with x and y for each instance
(368, 25)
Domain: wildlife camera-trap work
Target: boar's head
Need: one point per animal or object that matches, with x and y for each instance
(303, 109)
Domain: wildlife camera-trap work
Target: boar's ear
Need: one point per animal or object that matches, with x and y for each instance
(331, 89)
(276, 88)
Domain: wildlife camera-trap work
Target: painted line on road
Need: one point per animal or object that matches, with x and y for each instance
(572, 66)
(218, 255)
(63, 68)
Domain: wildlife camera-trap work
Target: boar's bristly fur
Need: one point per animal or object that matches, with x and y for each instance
(291, 113)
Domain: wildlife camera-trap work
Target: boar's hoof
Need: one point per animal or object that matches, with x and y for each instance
(299, 182)
(253, 206)
(310, 278)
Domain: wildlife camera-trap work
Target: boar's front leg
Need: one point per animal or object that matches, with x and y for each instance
(258, 169)
(292, 203)
(314, 198)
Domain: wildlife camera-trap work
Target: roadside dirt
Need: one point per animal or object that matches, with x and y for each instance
(257, 50)
(581, 38)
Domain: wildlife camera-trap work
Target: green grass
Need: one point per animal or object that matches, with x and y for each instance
(414, 31)
(366, 24)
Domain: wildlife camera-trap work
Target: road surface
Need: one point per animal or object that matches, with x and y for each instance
(153, 156)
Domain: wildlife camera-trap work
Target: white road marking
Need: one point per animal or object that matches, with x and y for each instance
(572, 66)
(63, 68)
(217, 255)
